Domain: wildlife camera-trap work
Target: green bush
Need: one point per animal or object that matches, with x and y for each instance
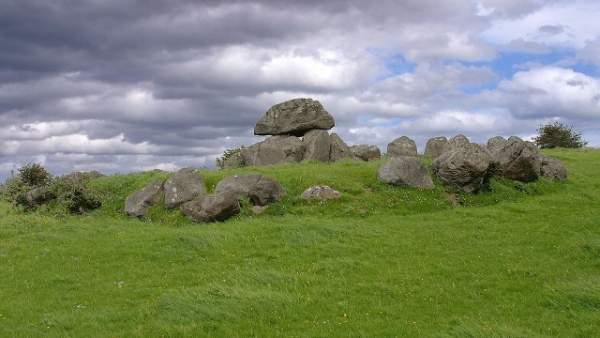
(34, 186)
(34, 175)
(558, 135)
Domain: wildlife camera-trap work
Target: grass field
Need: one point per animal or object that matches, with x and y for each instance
(520, 261)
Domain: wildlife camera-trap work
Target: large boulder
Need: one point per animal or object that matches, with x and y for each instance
(274, 150)
(81, 177)
(217, 207)
(519, 160)
(294, 117)
(463, 166)
(459, 140)
(552, 167)
(496, 144)
(137, 204)
(405, 171)
(366, 152)
(185, 185)
(320, 192)
(402, 146)
(317, 145)
(435, 146)
(339, 148)
(261, 190)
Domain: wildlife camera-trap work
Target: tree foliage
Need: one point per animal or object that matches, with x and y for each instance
(230, 159)
(558, 135)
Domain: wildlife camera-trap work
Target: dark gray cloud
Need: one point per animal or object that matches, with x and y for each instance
(131, 84)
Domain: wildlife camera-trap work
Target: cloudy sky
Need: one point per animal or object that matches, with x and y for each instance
(130, 85)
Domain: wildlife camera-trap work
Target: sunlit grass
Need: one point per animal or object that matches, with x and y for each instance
(521, 261)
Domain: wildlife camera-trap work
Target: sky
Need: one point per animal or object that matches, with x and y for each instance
(122, 86)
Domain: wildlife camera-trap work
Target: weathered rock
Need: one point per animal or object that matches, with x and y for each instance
(137, 204)
(463, 166)
(457, 141)
(261, 190)
(233, 161)
(552, 167)
(317, 144)
(274, 150)
(495, 144)
(217, 207)
(405, 171)
(320, 192)
(435, 146)
(38, 196)
(518, 160)
(185, 185)
(294, 117)
(339, 148)
(366, 152)
(402, 146)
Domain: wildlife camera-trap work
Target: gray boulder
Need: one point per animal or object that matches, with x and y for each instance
(495, 144)
(294, 117)
(339, 148)
(405, 171)
(402, 146)
(320, 192)
(217, 207)
(365, 152)
(261, 190)
(81, 177)
(435, 146)
(38, 196)
(233, 161)
(274, 150)
(457, 141)
(463, 166)
(183, 186)
(552, 167)
(137, 204)
(317, 145)
(519, 160)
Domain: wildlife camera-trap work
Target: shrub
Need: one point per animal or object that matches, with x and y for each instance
(558, 135)
(77, 197)
(34, 175)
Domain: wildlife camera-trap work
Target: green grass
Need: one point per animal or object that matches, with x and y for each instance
(521, 261)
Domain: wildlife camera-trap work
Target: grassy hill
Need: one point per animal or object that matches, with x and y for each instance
(520, 261)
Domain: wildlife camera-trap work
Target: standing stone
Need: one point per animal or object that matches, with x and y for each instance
(366, 152)
(457, 141)
(463, 166)
(137, 204)
(317, 144)
(519, 160)
(294, 117)
(495, 144)
(182, 187)
(405, 171)
(435, 146)
(339, 149)
(402, 146)
(274, 150)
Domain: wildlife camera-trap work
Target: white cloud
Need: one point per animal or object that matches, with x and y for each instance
(548, 92)
(562, 24)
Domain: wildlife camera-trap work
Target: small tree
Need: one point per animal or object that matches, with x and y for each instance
(34, 175)
(230, 159)
(558, 135)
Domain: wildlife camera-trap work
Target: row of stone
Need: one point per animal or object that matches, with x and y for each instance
(469, 166)
(185, 189)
